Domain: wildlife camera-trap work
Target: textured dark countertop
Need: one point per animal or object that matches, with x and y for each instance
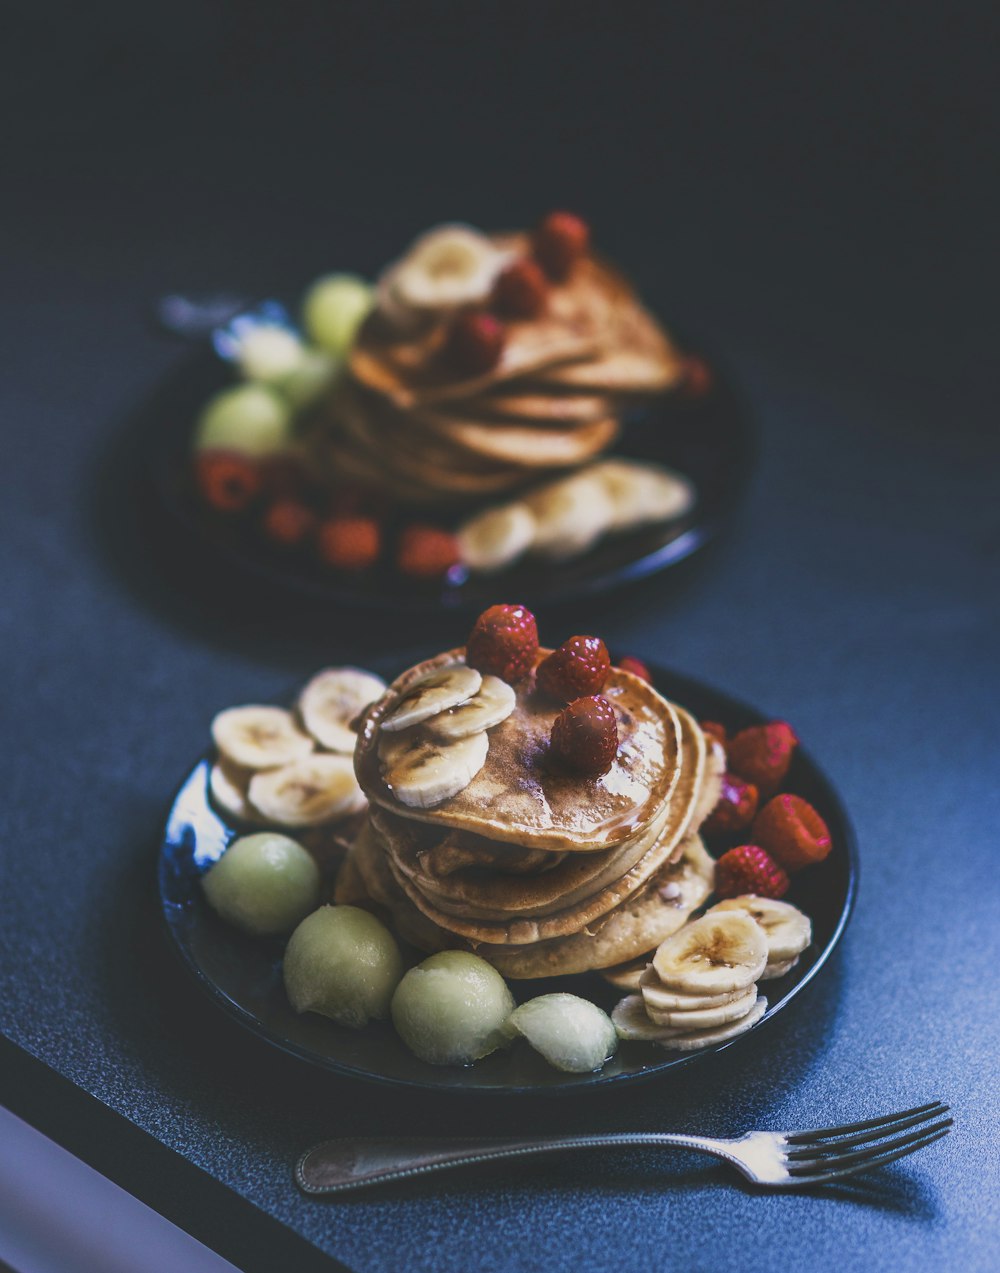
(810, 191)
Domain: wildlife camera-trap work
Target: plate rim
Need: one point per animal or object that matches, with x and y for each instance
(583, 1083)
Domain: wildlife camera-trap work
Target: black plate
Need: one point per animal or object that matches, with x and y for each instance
(710, 439)
(244, 975)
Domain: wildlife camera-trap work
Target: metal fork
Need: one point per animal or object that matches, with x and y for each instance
(780, 1160)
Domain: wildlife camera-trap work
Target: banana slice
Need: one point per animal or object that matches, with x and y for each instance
(626, 976)
(421, 772)
(259, 737)
(787, 930)
(492, 703)
(659, 999)
(436, 693)
(228, 789)
(689, 1042)
(448, 266)
(773, 971)
(496, 537)
(569, 515)
(632, 1022)
(332, 700)
(716, 954)
(307, 792)
(641, 493)
(703, 1018)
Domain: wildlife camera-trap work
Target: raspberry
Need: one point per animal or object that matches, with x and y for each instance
(520, 290)
(713, 729)
(762, 754)
(585, 735)
(474, 342)
(749, 869)
(349, 543)
(560, 240)
(735, 809)
(636, 667)
(227, 481)
(503, 642)
(697, 381)
(426, 552)
(793, 832)
(579, 667)
(288, 522)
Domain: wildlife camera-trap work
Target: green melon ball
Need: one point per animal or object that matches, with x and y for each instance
(572, 1034)
(450, 1010)
(248, 418)
(270, 353)
(315, 375)
(344, 964)
(333, 310)
(263, 884)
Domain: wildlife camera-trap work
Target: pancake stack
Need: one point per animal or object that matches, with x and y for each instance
(540, 871)
(407, 421)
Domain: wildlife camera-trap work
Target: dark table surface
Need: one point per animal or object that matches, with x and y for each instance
(811, 189)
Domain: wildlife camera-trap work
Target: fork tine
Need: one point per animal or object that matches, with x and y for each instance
(927, 1138)
(872, 1134)
(819, 1133)
(868, 1156)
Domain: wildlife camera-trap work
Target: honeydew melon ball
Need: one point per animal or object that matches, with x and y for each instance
(249, 418)
(269, 353)
(314, 375)
(334, 308)
(263, 883)
(344, 964)
(451, 1009)
(572, 1034)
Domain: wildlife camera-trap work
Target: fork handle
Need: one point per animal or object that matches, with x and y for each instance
(338, 1165)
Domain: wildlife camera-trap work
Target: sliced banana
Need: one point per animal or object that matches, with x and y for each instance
(787, 930)
(436, 693)
(659, 999)
(773, 971)
(703, 1018)
(421, 772)
(492, 703)
(448, 266)
(689, 1042)
(632, 1022)
(255, 737)
(321, 788)
(331, 702)
(641, 493)
(716, 954)
(570, 515)
(228, 789)
(496, 537)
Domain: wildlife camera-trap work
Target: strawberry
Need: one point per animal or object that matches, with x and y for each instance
(227, 481)
(559, 242)
(749, 869)
(503, 642)
(579, 667)
(762, 754)
(735, 809)
(288, 522)
(636, 667)
(585, 735)
(712, 729)
(349, 543)
(520, 290)
(474, 342)
(426, 552)
(792, 831)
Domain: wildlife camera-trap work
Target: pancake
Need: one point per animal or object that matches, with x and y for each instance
(526, 402)
(518, 797)
(631, 929)
(529, 446)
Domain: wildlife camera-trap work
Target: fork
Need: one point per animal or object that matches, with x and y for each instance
(779, 1160)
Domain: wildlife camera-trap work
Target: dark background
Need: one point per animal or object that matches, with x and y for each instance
(812, 188)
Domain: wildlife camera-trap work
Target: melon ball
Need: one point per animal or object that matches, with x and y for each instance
(450, 1010)
(333, 310)
(344, 964)
(263, 884)
(572, 1034)
(249, 418)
